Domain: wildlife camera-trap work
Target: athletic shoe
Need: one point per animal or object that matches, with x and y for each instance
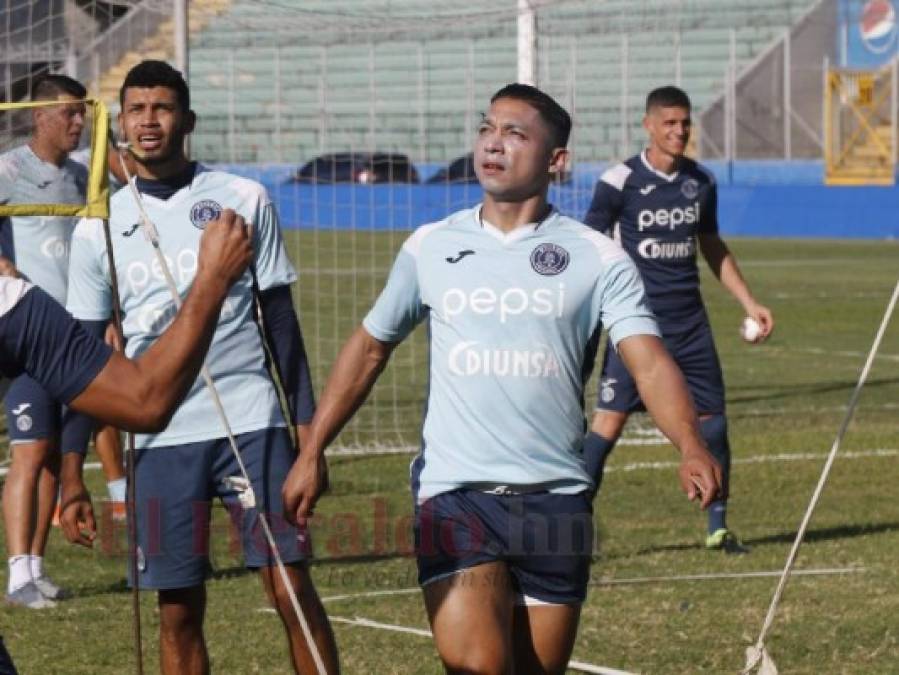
(725, 540)
(30, 596)
(50, 590)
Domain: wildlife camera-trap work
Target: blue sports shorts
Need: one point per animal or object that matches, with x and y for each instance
(694, 352)
(546, 540)
(31, 413)
(175, 487)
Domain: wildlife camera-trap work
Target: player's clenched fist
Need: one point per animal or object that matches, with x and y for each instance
(225, 248)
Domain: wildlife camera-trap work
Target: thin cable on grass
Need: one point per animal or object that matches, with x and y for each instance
(757, 656)
(243, 486)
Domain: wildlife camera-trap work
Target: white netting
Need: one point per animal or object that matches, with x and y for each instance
(277, 83)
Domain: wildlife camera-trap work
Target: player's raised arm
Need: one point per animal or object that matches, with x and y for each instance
(664, 392)
(141, 395)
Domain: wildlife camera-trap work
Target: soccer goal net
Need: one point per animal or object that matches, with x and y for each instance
(358, 117)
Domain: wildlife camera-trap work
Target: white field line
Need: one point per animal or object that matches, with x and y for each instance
(579, 666)
(630, 581)
(764, 459)
(818, 351)
(813, 572)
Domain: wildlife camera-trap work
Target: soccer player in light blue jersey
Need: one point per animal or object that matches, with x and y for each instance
(179, 470)
(39, 338)
(516, 296)
(37, 249)
(662, 207)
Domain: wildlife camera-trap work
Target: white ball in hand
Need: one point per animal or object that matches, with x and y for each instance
(750, 330)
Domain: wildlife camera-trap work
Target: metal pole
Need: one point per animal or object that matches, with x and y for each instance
(182, 60)
(733, 84)
(422, 124)
(894, 109)
(279, 151)
(788, 96)
(179, 15)
(725, 122)
(677, 58)
(323, 100)
(625, 127)
(231, 131)
(527, 43)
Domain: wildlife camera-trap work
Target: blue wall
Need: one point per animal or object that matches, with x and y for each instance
(756, 199)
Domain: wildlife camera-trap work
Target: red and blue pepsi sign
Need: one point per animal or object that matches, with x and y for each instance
(869, 33)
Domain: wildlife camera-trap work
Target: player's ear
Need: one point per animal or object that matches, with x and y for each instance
(558, 161)
(190, 121)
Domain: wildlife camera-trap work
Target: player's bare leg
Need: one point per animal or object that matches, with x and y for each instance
(19, 494)
(471, 617)
(543, 637)
(47, 493)
(312, 610)
(182, 647)
(608, 424)
(20, 511)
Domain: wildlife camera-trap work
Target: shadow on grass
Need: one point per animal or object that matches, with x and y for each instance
(811, 536)
(802, 391)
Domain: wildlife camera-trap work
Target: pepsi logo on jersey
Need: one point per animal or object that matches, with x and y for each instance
(507, 303)
(670, 218)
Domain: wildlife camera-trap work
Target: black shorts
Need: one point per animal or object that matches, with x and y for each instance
(694, 352)
(175, 486)
(546, 539)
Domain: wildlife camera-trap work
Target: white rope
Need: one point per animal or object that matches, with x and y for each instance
(757, 656)
(246, 497)
(396, 628)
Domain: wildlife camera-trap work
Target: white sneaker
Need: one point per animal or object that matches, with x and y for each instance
(30, 596)
(50, 590)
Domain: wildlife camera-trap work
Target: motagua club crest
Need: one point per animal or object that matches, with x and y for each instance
(204, 211)
(690, 188)
(549, 259)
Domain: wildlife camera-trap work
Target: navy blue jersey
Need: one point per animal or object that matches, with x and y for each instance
(38, 337)
(656, 217)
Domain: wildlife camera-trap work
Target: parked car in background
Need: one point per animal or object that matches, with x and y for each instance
(365, 168)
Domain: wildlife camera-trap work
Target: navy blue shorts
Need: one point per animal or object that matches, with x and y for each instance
(546, 540)
(175, 487)
(31, 413)
(694, 352)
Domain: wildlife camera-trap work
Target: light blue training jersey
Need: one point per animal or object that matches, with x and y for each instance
(236, 359)
(39, 245)
(514, 323)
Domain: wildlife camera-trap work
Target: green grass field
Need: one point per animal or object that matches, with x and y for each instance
(786, 400)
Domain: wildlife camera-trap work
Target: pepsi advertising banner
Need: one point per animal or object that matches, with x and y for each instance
(867, 34)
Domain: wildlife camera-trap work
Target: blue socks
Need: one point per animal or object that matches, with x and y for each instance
(596, 450)
(714, 432)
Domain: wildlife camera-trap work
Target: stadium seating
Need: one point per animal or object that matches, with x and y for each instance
(264, 95)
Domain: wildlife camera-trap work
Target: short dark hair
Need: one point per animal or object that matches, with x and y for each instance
(667, 97)
(50, 87)
(556, 117)
(147, 74)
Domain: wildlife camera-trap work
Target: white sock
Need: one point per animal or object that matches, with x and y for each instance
(19, 572)
(37, 566)
(117, 489)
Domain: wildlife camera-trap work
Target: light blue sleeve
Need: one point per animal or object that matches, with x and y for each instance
(89, 295)
(273, 267)
(623, 307)
(399, 307)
